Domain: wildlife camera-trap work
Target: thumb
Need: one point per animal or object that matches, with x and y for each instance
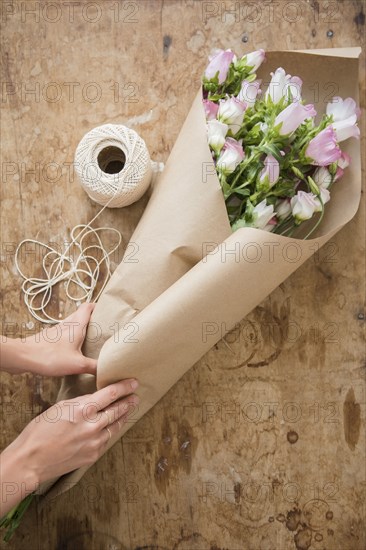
(83, 313)
(89, 365)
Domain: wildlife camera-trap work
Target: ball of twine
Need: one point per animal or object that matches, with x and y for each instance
(113, 165)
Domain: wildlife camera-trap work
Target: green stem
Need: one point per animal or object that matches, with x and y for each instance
(13, 518)
(243, 166)
(318, 222)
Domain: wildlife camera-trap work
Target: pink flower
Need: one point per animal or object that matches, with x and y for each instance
(219, 63)
(344, 161)
(270, 172)
(323, 149)
(293, 116)
(231, 155)
(249, 92)
(211, 109)
(342, 109)
(303, 206)
(255, 59)
(281, 83)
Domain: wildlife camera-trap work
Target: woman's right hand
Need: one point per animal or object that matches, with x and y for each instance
(72, 433)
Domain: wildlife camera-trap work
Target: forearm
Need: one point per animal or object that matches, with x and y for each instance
(17, 481)
(18, 356)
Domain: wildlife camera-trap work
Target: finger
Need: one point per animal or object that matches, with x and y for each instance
(111, 431)
(118, 410)
(112, 393)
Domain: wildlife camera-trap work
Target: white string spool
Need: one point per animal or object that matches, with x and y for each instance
(115, 169)
(113, 165)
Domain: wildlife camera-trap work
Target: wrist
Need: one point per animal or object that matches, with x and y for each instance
(13, 358)
(19, 356)
(36, 354)
(18, 478)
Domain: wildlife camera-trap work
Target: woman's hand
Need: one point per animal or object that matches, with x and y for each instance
(55, 351)
(68, 435)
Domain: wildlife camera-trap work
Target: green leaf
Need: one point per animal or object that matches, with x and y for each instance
(271, 149)
(243, 192)
(238, 224)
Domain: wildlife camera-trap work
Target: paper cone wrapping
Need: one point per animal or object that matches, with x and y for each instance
(187, 279)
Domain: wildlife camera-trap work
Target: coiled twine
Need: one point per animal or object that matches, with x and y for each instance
(113, 165)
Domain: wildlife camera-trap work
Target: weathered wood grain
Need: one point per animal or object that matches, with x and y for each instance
(261, 445)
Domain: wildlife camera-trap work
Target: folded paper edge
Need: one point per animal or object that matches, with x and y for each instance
(352, 52)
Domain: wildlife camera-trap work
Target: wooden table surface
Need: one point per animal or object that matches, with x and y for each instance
(265, 453)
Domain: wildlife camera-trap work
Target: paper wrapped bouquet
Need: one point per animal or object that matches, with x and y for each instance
(186, 272)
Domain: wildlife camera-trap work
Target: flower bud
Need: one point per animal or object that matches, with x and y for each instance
(216, 133)
(271, 172)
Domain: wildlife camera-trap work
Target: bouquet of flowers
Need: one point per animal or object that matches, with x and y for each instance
(276, 166)
(250, 170)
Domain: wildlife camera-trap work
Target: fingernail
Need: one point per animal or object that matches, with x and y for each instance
(134, 384)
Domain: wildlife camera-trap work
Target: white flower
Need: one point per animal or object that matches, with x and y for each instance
(231, 111)
(343, 109)
(216, 133)
(262, 214)
(249, 92)
(303, 206)
(345, 114)
(347, 128)
(283, 209)
(231, 155)
(280, 85)
(322, 177)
